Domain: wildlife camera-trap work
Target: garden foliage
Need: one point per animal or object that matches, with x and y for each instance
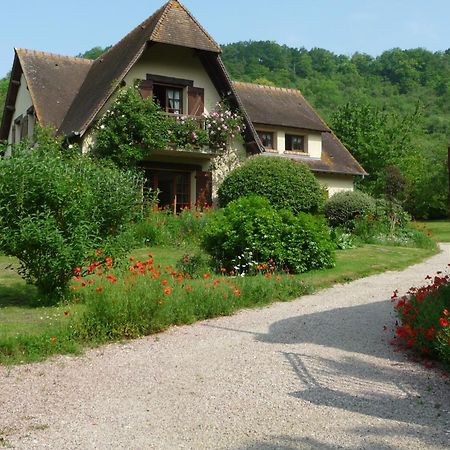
(134, 127)
(285, 183)
(344, 207)
(58, 207)
(424, 318)
(163, 227)
(250, 231)
(130, 129)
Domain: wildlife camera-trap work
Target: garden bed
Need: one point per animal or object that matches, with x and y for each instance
(34, 332)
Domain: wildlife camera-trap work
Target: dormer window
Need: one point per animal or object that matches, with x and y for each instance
(295, 143)
(266, 139)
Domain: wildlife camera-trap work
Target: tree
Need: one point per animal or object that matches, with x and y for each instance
(377, 139)
(59, 207)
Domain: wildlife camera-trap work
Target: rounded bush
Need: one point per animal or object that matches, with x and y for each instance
(250, 231)
(285, 183)
(344, 207)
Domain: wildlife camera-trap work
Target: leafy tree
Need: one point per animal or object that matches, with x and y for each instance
(378, 139)
(59, 207)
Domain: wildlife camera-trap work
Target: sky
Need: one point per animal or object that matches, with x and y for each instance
(341, 26)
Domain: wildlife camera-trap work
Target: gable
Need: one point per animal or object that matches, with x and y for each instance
(171, 24)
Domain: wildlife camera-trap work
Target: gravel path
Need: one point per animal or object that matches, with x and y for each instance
(316, 373)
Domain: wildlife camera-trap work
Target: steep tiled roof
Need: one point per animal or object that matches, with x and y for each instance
(171, 24)
(278, 106)
(335, 158)
(52, 80)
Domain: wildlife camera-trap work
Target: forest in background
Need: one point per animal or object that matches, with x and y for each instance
(391, 111)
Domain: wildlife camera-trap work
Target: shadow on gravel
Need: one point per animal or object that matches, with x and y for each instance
(352, 381)
(356, 329)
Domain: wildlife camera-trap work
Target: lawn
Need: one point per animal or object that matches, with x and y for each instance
(439, 229)
(22, 313)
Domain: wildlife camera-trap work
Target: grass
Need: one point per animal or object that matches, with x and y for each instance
(439, 229)
(364, 261)
(31, 332)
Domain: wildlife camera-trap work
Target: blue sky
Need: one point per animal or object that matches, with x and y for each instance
(342, 26)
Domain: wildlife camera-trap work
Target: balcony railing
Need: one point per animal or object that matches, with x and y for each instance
(200, 120)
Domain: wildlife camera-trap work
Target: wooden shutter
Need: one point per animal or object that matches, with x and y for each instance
(24, 128)
(203, 189)
(196, 101)
(146, 88)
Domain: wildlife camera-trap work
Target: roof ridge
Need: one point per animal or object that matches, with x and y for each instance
(168, 7)
(158, 25)
(54, 55)
(273, 88)
(141, 25)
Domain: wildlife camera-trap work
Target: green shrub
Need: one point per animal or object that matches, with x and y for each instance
(344, 207)
(163, 227)
(285, 183)
(249, 231)
(57, 209)
(194, 264)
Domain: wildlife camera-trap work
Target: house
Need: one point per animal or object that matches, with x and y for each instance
(178, 63)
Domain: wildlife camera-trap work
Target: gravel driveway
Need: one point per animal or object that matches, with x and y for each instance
(316, 373)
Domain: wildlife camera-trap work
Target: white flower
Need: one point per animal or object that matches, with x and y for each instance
(102, 126)
(70, 146)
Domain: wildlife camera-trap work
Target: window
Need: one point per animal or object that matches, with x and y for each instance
(170, 98)
(266, 138)
(173, 188)
(295, 143)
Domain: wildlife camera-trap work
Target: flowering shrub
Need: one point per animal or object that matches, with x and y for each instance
(57, 208)
(424, 318)
(133, 127)
(186, 133)
(223, 125)
(252, 228)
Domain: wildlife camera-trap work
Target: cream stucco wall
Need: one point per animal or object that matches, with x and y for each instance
(178, 62)
(23, 103)
(313, 140)
(314, 145)
(335, 183)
